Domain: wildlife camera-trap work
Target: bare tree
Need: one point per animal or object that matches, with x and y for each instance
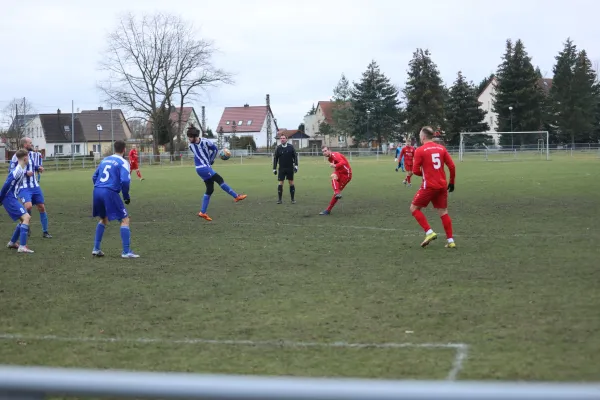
(155, 62)
(16, 115)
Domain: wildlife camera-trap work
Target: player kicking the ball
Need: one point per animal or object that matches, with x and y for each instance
(340, 177)
(429, 163)
(408, 153)
(205, 153)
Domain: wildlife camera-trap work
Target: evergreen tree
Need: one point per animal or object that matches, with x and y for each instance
(302, 128)
(561, 94)
(518, 87)
(463, 114)
(209, 133)
(312, 111)
(341, 112)
(424, 93)
(585, 93)
(374, 93)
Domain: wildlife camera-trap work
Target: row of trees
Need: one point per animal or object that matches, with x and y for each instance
(374, 109)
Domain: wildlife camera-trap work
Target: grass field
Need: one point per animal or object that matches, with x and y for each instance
(278, 289)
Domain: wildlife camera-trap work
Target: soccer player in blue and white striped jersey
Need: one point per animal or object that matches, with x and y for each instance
(36, 157)
(31, 192)
(9, 200)
(205, 153)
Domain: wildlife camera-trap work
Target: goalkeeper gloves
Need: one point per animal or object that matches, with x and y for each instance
(295, 168)
(274, 172)
(127, 201)
(451, 187)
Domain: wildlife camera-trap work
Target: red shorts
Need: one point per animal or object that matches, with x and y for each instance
(408, 167)
(341, 182)
(437, 197)
(134, 166)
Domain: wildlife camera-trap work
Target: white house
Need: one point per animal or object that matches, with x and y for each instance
(248, 121)
(56, 136)
(297, 138)
(324, 113)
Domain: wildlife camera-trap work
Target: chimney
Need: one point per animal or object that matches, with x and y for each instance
(100, 109)
(58, 111)
(246, 105)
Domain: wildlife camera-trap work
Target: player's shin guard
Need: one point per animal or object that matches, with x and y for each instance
(99, 233)
(44, 221)
(126, 239)
(408, 178)
(205, 201)
(292, 191)
(422, 220)
(16, 234)
(229, 190)
(447, 222)
(279, 191)
(24, 230)
(332, 203)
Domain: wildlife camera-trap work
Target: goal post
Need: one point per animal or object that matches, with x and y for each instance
(518, 146)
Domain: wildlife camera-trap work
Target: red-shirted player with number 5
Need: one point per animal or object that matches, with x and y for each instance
(429, 163)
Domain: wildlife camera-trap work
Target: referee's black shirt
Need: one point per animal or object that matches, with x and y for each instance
(286, 156)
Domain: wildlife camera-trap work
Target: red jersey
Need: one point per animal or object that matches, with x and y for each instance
(133, 156)
(429, 163)
(342, 166)
(408, 152)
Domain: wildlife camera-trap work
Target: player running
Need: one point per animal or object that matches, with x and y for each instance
(31, 193)
(408, 153)
(133, 162)
(10, 201)
(110, 178)
(430, 159)
(205, 153)
(340, 177)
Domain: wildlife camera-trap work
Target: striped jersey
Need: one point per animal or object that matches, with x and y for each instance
(13, 183)
(205, 153)
(28, 181)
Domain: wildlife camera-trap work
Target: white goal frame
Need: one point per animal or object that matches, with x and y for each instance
(545, 147)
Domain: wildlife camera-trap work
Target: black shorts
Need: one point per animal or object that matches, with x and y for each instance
(285, 173)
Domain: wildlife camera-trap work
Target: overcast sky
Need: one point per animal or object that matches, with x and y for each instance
(295, 51)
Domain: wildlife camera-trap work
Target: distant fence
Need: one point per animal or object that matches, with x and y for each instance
(20, 383)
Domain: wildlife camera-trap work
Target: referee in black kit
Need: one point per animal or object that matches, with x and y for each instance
(286, 156)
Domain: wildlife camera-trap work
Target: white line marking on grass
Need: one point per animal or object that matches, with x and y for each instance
(457, 364)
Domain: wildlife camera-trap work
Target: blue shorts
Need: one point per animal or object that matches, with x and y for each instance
(108, 204)
(12, 206)
(32, 195)
(206, 173)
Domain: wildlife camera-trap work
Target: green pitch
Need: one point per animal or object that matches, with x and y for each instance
(268, 289)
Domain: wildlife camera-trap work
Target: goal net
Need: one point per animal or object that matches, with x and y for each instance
(504, 146)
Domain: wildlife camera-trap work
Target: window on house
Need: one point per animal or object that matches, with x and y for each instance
(249, 122)
(76, 149)
(67, 128)
(97, 148)
(240, 122)
(58, 149)
(227, 122)
(340, 139)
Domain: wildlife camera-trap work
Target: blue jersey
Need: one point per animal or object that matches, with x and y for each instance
(36, 157)
(205, 153)
(13, 183)
(398, 151)
(113, 173)
(30, 182)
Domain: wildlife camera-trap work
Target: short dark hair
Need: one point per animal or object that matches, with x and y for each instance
(120, 146)
(193, 132)
(428, 131)
(21, 153)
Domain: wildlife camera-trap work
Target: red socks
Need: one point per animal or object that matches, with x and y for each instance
(139, 174)
(447, 222)
(408, 178)
(421, 219)
(332, 203)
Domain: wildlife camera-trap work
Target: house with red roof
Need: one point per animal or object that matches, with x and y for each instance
(248, 121)
(324, 113)
(296, 137)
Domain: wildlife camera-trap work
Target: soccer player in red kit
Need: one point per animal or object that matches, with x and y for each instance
(429, 163)
(133, 162)
(340, 177)
(408, 152)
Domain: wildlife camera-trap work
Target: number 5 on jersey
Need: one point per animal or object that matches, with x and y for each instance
(435, 158)
(105, 174)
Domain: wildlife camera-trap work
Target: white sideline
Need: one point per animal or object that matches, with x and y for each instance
(457, 364)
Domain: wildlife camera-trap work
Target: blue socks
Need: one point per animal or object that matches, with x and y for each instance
(205, 201)
(44, 221)
(24, 229)
(99, 232)
(16, 234)
(229, 190)
(126, 239)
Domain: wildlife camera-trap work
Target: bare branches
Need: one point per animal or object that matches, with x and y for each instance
(16, 115)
